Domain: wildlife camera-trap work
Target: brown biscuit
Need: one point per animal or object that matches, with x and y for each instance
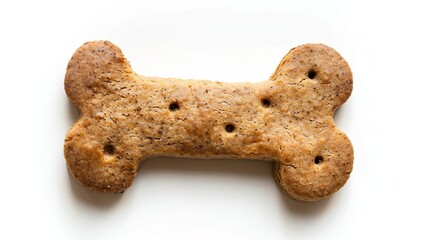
(126, 118)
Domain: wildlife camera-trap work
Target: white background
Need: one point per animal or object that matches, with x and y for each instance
(385, 43)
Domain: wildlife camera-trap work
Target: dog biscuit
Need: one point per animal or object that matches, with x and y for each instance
(287, 119)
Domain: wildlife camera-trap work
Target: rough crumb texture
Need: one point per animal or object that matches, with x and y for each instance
(126, 118)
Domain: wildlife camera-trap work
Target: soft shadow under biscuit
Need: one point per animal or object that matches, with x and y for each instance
(95, 199)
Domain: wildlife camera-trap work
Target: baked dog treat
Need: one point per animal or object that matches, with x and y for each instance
(288, 119)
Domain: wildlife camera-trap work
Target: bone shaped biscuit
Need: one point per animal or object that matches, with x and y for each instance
(288, 119)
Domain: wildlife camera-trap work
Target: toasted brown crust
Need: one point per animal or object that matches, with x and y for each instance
(288, 119)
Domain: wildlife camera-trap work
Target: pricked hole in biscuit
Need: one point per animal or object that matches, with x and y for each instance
(266, 102)
(109, 149)
(229, 127)
(318, 159)
(174, 106)
(312, 74)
